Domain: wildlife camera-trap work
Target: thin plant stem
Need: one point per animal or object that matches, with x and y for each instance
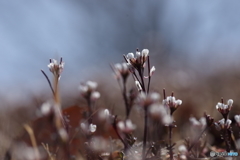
(145, 132)
(149, 77)
(124, 93)
(170, 142)
(33, 140)
(140, 71)
(119, 136)
(48, 81)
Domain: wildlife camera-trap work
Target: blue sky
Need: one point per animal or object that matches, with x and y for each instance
(91, 34)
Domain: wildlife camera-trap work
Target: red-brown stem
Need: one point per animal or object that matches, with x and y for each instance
(170, 142)
(149, 77)
(145, 132)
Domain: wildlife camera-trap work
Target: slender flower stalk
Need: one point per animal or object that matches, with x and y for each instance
(171, 103)
(60, 124)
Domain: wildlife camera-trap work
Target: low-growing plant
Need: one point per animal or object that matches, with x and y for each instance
(99, 134)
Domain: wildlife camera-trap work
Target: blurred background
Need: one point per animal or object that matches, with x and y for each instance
(194, 45)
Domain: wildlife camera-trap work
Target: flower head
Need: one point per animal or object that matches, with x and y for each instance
(87, 90)
(221, 124)
(146, 100)
(121, 69)
(158, 111)
(56, 68)
(88, 128)
(172, 103)
(139, 60)
(201, 124)
(224, 108)
(126, 126)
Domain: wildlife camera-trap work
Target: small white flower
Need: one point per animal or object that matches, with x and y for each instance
(146, 100)
(201, 124)
(237, 118)
(153, 69)
(91, 85)
(230, 102)
(46, 108)
(95, 95)
(63, 134)
(88, 128)
(224, 108)
(138, 54)
(182, 149)
(92, 128)
(104, 114)
(221, 124)
(130, 55)
(121, 70)
(172, 103)
(56, 68)
(145, 52)
(126, 126)
(138, 85)
(158, 111)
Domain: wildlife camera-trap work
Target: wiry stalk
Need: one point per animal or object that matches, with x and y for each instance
(145, 132)
(33, 140)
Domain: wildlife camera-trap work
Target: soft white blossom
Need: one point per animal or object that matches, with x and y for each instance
(224, 108)
(104, 114)
(198, 124)
(146, 100)
(88, 128)
(121, 69)
(139, 59)
(138, 85)
(56, 68)
(95, 95)
(172, 103)
(46, 108)
(126, 126)
(221, 124)
(158, 111)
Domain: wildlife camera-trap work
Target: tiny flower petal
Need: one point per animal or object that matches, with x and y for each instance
(130, 55)
(145, 52)
(153, 69)
(230, 102)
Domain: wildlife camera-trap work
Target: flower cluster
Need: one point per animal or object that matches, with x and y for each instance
(201, 124)
(172, 103)
(139, 60)
(224, 108)
(121, 69)
(145, 100)
(158, 111)
(56, 68)
(221, 124)
(88, 128)
(88, 90)
(126, 126)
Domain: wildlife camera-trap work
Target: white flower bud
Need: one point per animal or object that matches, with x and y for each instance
(138, 85)
(138, 54)
(153, 69)
(95, 95)
(92, 128)
(230, 102)
(46, 108)
(118, 66)
(178, 102)
(130, 55)
(237, 118)
(91, 85)
(145, 52)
